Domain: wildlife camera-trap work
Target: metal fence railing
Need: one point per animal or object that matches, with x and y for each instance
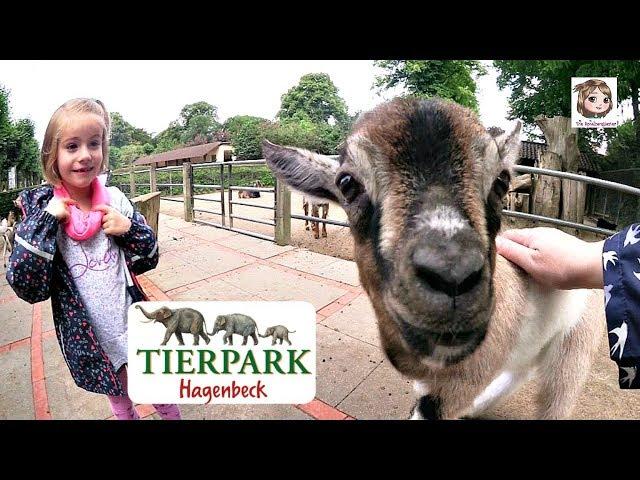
(604, 184)
(130, 187)
(226, 201)
(169, 173)
(170, 179)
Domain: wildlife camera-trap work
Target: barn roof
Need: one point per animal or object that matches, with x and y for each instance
(181, 153)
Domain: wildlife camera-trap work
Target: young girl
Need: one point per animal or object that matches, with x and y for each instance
(80, 244)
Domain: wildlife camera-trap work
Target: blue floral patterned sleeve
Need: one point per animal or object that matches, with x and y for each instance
(139, 245)
(31, 263)
(621, 263)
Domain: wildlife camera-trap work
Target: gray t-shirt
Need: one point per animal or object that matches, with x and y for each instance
(99, 272)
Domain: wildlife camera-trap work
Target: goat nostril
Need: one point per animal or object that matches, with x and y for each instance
(470, 282)
(435, 281)
(450, 287)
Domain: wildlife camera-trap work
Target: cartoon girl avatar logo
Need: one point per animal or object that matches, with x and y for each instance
(594, 98)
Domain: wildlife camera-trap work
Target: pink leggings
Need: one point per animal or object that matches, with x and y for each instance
(122, 406)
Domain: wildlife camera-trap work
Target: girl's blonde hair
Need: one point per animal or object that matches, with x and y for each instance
(49, 153)
(585, 89)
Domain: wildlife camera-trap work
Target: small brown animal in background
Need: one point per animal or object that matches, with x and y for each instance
(315, 212)
(249, 193)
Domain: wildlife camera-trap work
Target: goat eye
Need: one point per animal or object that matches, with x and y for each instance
(349, 187)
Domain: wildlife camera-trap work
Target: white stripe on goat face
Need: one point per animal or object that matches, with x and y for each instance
(388, 231)
(443, 219)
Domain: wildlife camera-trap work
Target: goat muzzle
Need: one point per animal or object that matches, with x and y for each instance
(448, 347)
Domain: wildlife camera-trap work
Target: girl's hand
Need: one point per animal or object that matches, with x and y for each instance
(113, 222)
(59, 208)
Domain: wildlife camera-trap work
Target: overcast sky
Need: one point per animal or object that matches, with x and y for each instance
(150, 94)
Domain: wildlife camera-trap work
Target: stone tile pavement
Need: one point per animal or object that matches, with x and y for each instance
(199, 262)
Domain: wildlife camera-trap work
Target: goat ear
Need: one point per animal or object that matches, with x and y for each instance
(302, 170)
(509, 147)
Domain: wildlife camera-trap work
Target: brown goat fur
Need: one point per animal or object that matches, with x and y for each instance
(422, 184)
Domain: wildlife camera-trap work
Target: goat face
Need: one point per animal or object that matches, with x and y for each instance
(422, 184)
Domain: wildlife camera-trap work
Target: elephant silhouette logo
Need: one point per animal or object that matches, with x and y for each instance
(278, 332)
(188, 320)
(237, 323)
(178, 321)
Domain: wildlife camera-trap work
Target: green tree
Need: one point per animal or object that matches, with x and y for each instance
(315, 97)
(18, 146)
(543, 87)
(114, 158)
(623, 151)
(195, 110)
(300, 133)
(148, 148)
(198, 123)
(312, 116)
(329, 138)
(168, 139)
(303, 133)
(119, 131)
(26, 151)
(199, 130)
(127, 154)
(6, 131)
(140, 136)
(246, 134)
(120, 157)
(123, 133)
(450, 79)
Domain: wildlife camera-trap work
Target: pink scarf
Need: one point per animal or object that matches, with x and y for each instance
(82, 226)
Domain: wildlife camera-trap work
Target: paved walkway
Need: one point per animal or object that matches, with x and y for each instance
(198, 262)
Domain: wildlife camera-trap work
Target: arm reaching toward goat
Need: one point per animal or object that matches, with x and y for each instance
(553, 258)
(558, 260)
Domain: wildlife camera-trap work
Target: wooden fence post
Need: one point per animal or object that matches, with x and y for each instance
(149, 206)
(187, 191)
(559, 198)
(132, 182)
(546, 189)
(283, 214)
(153, 178)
